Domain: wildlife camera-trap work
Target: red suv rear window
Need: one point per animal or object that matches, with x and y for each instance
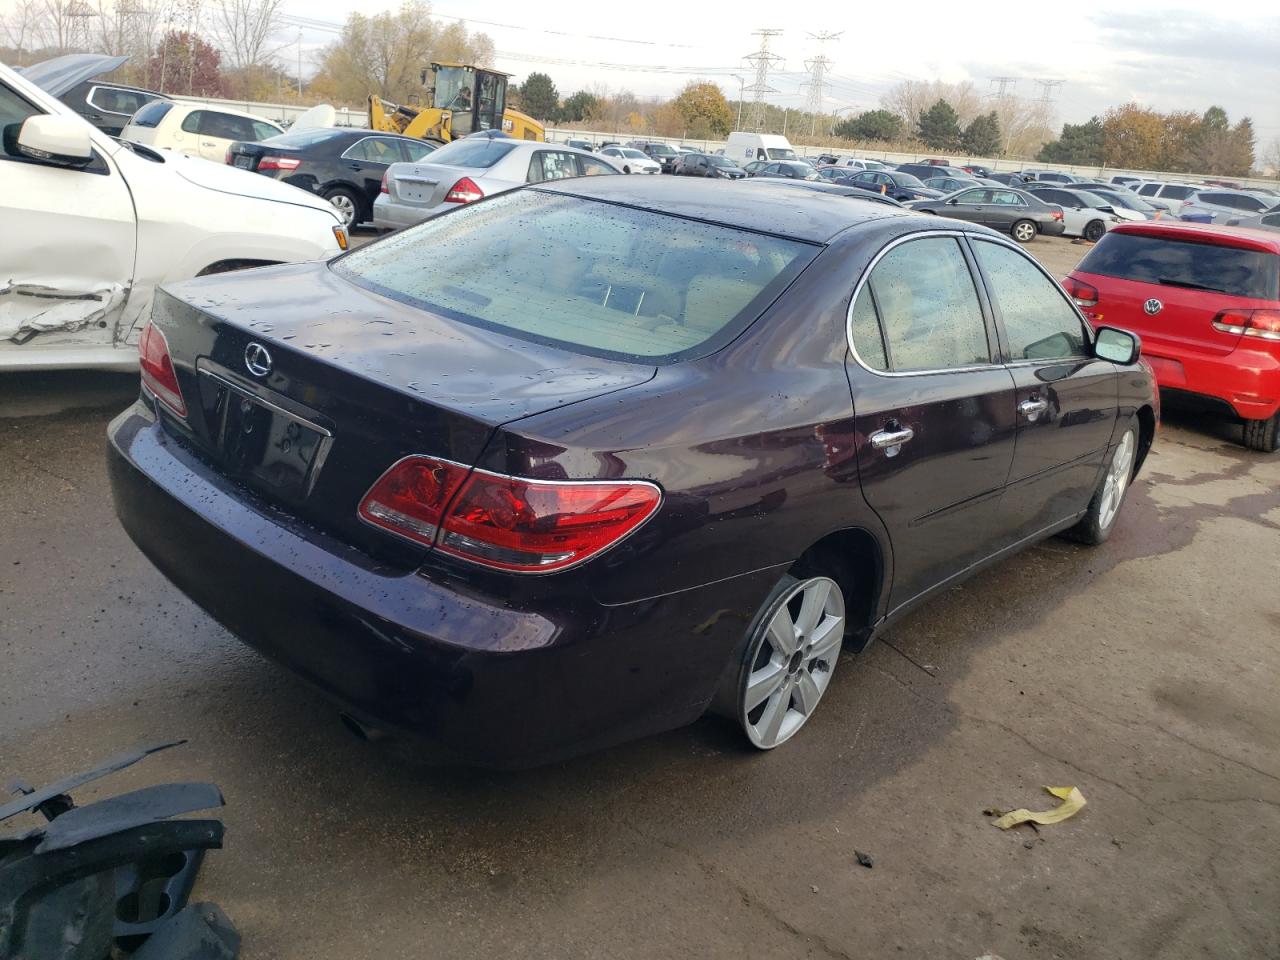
(1185, 263)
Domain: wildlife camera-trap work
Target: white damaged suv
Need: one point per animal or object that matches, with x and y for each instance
(92, 225)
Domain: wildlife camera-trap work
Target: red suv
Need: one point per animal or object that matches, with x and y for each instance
(1206, 301)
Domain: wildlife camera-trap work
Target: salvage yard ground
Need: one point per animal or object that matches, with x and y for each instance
(1143, 672)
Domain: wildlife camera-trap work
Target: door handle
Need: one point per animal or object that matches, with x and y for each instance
(1033, 407)
(207, 143)
(890, 440)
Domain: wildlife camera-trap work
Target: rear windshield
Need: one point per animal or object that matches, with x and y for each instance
(597, 277)
(906, 179)
(305, 138)
(1184, 263)
(1177, 193)
(480, 152)
(151, 114)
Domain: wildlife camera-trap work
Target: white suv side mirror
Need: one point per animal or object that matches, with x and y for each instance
(60, 141)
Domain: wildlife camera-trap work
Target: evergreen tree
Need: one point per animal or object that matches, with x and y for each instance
(982, 137)
(940, 126)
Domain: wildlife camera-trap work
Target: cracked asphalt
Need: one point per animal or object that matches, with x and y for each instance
(1144, 672)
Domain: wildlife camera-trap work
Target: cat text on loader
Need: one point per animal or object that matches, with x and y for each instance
(464, 99)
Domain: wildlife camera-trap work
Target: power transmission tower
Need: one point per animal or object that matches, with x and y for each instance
(77, 14)
(817, 85)
(1046, 89)
(1004, 84)
(763, 61)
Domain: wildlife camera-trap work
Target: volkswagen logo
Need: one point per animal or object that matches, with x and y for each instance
(1152, 307)
(258, 360)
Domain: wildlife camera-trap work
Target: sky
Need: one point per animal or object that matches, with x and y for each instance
(1104, 53)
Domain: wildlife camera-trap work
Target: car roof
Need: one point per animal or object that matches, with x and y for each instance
(763, 207)
(1242, 237)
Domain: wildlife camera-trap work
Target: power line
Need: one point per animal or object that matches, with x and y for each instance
(763, 60)
(817, 83)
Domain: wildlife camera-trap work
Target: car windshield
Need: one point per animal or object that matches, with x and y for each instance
(662, 150)
(634, 154)
(718, 161)
(1091, 199)
(781, 153)
(1186, 263)
(468, 152)
(1126, 199)
(907, 180)
(305, 138)
(596, 277)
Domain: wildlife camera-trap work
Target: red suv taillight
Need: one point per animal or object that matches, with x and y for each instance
(279, 163)
(1084, 294)
(157, 369)
(1264, 324)
(464, 191)
(502, 522)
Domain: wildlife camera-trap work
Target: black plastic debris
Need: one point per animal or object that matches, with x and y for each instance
(198, 932)
(106, 879)
(864, 859)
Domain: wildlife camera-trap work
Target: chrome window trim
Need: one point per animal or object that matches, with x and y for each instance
(862, 282)
(94, 103)
(343, 154)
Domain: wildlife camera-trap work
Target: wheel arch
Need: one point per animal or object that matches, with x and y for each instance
(1146, 435)
(855, 559)
(233, 263)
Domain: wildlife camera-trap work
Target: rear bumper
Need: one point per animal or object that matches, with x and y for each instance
(1054, 228)
(393, 216)
(1247, 381)
(496, 684)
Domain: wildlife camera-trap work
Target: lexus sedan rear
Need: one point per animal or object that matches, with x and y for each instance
(581, 462)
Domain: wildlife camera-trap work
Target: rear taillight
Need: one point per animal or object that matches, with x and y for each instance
(157, 369)
(279, 163)
(1084, 294)
(502, 522)
(227, 159)
(383, 188)
(1264, 324)
(1056, 214)
(464, 191)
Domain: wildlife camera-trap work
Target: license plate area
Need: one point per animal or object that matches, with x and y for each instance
(262, 443)
(244, 162)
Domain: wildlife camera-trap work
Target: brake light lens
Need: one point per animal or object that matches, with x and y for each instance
(157, 369)
(227, 159)
(279, 163)
(464, 191)
(383, 188)
(1056, 214)
(1084, 294)
(1263, 324)
(503, 522)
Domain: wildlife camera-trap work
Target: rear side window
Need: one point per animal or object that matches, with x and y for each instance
(1149, 189)
(115, 100)
(1038, 321)
(1175, 192)
(306, 138)
(596, 277)
(1185, 263)
(151, 114)
(927, 306)
(481, 152)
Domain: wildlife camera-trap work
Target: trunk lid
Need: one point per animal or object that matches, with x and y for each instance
(426, 185)
(354, 382)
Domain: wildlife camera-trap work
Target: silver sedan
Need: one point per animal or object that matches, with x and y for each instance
(472, 168)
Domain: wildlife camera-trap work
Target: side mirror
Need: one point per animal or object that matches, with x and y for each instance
(1106, 208)
(1118, 346)
(953, 201)
(57, 141)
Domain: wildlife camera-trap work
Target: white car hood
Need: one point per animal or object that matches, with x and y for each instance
(242, 183)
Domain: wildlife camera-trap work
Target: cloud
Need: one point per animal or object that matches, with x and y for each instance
(1184, 35)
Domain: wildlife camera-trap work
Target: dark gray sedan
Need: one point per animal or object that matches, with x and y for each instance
(1015, 212)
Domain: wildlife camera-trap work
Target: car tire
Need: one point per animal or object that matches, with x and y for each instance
(1100, 519)
(349, 204)
(626, 169)
(1262, 435)
(791, 651)
(1093, 230)
(1024, 231)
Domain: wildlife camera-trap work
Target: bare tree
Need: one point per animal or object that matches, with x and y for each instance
(245, 28)
(911, 98)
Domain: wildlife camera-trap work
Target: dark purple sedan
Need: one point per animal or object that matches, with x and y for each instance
(581, 462)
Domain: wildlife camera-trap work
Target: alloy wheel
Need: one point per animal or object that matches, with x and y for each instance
(1117, 481)
(1024, 232)
(346, 208)
(792, 657)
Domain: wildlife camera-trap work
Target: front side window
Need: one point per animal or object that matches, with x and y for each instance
(1038, 321)
(415, 150)
(927, 306)
(974, 197)
(1148, 189)
(263, 130)
(595, 277)
(374, 150)
(590, 167)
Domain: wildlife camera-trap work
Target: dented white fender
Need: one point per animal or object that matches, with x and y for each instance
(85, 249)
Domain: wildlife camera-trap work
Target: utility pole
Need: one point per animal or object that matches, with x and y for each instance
(1002, 99)
(763, 61)
(742, 83)
(817, 85)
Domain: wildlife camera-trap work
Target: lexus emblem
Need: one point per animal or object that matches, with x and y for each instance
(1152, 307)
(258, 359)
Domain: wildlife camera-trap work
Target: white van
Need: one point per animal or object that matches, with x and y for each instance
(745, 147)
(93, 225)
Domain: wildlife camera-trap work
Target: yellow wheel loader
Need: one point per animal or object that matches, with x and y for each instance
(464, 99)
